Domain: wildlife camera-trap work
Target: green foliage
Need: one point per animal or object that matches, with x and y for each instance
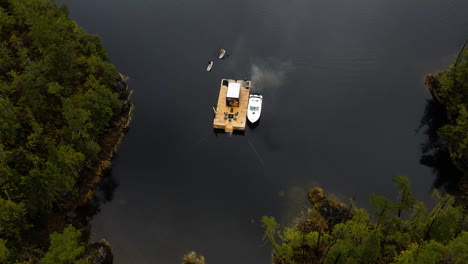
(370, 249)
(56, 101)
(430, 253)
(193, 258)
(4, 252)
(456, 251)
(434, 252)
(12, 219)
(65, 248)
(54, 88)
(292, 241)
(404, 232)
(457, 133)
(406, 198)
(312, 239)
(101, 103)
(453, 93)
(354, 241)
(8, 122)
(271, 226)
(448, 225)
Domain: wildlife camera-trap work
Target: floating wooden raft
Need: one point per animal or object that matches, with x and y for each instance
(232, 118)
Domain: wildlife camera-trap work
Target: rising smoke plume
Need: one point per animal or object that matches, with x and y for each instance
(269, 74)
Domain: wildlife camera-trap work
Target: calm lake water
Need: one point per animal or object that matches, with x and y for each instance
(343, 95)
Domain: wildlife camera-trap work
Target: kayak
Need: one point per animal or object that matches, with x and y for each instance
(210, 65)
(223, 52)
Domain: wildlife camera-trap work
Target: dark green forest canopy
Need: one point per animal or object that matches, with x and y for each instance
(56, 99)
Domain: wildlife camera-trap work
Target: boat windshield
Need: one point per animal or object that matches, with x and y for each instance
(254, 108)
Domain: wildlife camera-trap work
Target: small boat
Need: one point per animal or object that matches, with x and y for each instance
(255, 107)
(223, 52)
(210, 65)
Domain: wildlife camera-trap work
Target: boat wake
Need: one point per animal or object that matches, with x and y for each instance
(256, 153)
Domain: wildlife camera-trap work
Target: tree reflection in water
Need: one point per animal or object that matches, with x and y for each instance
(434, 151)
(103, 193)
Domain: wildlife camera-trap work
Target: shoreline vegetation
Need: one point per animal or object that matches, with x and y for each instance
(397, 232)
(446, 121)
(402, 231)
(405, 231)
(64, 111)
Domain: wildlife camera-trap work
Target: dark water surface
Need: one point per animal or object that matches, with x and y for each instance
(343, 88)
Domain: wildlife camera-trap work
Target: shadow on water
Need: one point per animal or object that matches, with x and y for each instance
(218, 131)
(103, 193)
(434, 152)
(254, 125)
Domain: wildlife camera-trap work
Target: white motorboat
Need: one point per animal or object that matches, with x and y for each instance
(255, 107)
(210, 65)
(223, 52)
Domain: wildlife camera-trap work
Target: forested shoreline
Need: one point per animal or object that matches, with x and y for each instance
(446, 121)
(402, 231)
(64, 108)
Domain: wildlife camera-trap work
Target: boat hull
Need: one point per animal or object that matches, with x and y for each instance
(254, 109)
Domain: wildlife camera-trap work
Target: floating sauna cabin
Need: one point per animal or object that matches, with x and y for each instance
(231, 110)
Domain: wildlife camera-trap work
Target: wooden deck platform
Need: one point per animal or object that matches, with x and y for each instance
(221, 120)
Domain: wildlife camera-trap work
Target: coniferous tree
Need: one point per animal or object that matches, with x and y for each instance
(65, 248)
